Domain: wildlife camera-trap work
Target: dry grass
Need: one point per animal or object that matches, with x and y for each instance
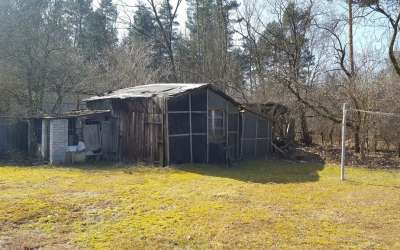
(256, 205)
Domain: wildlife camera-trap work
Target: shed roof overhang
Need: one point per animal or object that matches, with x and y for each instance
(73, 114)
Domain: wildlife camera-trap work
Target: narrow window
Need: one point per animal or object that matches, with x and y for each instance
(216, 125)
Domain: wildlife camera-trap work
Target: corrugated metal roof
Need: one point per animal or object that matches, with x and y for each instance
(148, 91)
(73, 114)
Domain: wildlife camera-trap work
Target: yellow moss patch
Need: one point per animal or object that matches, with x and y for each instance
(255, 205)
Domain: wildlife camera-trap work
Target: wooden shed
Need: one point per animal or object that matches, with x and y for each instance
(56, 136)
(183, 123)
(13, 136)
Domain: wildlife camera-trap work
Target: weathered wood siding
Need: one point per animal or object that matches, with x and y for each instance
(13, 135)
(140, 129)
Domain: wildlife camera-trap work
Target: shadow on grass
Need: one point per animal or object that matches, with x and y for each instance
(87, 166)
(270, 171)
(257, 171)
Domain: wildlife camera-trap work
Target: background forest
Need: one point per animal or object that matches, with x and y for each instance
(303, 54)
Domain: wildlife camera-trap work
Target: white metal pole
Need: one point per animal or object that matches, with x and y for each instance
(342, 163)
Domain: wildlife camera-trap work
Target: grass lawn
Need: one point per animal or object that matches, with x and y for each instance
(256, 205)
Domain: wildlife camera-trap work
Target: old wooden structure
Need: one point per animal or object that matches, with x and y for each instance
(13, 136)
(57, 136)
(183, 123)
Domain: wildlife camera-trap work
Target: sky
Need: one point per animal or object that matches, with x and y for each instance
(368, 37)
(126, 9)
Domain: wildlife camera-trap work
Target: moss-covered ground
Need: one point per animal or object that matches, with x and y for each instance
(256, 205)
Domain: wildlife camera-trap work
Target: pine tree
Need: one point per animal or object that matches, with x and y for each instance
(210, 36)
(286, 49)
(110, 15)
(101, 30)
(143, 28)
(171, 31)
(78, 13)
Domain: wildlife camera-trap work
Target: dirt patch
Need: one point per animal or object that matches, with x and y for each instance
(382, 160)
(33, 241)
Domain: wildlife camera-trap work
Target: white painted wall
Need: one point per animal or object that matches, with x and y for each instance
(58, 141)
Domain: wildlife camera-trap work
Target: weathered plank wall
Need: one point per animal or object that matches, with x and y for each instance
(13, 135)
(141, 129)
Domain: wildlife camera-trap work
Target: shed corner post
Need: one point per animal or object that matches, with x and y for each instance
(190, 128)
(243, 117)
(208, 140)
(255, 141)
(166, 160)
(226, 121)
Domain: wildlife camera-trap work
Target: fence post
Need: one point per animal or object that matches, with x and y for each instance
(342, 163)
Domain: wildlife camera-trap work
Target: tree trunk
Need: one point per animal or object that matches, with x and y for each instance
(322, 139)
(357, 140)
(398, 149)
(351, 47)
(362, 150)
(331, 136)
(374, 143)
(305, 133)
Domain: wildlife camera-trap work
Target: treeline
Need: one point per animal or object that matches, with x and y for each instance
(52, 52)
(303, 54)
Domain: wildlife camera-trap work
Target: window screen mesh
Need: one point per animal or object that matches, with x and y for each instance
(262, 130)
(179, 149)
(261, 148)
(248, 149)
(233, 145)
(233, 122)
(217, 153)
(179, 103)
(249, 129)
(178, 124)
(199, 143)
(199, 123)
(199, 100)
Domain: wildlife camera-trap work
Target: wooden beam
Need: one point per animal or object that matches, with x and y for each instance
(227, 129)
(168, 160)
(208, 142)
(243, 115)
(190, 128)
(255, 141)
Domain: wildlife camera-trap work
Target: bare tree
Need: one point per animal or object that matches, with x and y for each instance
(390, 9)
(126, 66)
(166, 29)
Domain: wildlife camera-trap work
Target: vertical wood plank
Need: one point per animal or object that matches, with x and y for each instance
(227, 112)
(243, 115)
(208, 142)
(190, 128)
(167, 131)
(255, 141)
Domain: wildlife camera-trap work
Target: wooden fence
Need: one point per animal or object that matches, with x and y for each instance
(13, 136)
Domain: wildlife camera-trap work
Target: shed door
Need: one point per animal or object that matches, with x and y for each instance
(144, 139)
